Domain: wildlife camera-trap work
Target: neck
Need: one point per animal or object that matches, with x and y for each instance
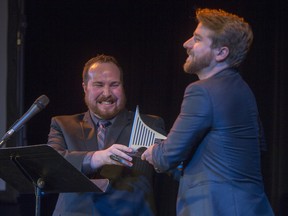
(209, 72)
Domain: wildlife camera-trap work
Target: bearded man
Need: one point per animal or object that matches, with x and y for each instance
(130, 191)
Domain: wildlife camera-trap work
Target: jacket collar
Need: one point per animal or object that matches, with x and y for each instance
(123, 119)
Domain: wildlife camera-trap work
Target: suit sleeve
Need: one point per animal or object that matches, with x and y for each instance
(191, 125)
(63, 139)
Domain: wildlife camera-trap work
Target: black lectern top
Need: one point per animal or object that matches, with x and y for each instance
(25, 168)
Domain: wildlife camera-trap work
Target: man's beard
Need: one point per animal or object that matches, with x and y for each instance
(103, 114)
(195, 65)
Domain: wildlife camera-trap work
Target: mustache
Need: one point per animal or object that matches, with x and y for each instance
(189, 52)
(106, 99)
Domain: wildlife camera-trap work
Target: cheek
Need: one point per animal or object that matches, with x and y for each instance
(200, 47)
(92, 92)
(118, 93)
(204, 49)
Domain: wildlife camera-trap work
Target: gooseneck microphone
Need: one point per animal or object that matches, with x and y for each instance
(39, 104)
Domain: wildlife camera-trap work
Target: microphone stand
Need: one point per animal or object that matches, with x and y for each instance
(40, 103)
(2, 143)
(36, 169)
(38, 185)
(6, 136)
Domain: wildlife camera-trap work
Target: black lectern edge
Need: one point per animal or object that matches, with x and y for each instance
(43, 166)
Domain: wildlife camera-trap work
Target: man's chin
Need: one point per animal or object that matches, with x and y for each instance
(106, 114)
(187, 69)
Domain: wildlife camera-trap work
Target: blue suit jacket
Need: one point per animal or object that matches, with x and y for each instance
(217, 136)
(130, 190)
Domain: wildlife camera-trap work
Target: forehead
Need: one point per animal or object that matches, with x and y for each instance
(104, 71)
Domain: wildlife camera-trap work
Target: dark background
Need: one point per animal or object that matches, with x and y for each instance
(59, 36)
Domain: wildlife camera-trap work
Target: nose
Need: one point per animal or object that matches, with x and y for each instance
(189, 43)
(106, 90)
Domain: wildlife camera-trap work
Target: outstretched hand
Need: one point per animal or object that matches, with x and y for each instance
(104, 157)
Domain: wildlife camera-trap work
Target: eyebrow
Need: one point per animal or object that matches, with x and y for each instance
(112, 82)
(197, 35)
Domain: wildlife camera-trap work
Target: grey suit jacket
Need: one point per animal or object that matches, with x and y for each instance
(217, 136)
(130, 191)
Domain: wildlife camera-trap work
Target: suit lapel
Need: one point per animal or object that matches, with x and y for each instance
(122, 120)
(89, 134)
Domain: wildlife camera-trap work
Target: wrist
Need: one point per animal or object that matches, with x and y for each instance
(96, 160)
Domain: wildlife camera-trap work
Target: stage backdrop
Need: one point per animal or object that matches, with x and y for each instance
(147, 38)
(3, 70)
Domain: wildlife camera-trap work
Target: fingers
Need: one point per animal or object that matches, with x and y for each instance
(117, 155)
(122, 147)
(103, 157)
(121, 160)
(120, 150)
(147, 155)
(143, 156)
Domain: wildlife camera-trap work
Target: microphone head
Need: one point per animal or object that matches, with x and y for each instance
(42, 102)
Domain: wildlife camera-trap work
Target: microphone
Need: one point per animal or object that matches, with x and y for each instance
(39, 104)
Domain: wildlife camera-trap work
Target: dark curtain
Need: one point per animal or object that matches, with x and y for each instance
(146, 37)
(278, 137)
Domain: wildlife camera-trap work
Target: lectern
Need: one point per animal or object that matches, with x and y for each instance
(40, 169)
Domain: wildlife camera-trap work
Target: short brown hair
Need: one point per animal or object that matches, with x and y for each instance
(230, 30)
(101, 58)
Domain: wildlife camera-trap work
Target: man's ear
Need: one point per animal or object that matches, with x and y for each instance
(222, 53)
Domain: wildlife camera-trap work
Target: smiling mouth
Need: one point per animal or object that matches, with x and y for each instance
(106, 102)
(188, 59)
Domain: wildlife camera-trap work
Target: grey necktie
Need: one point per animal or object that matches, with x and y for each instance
(101, 132)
